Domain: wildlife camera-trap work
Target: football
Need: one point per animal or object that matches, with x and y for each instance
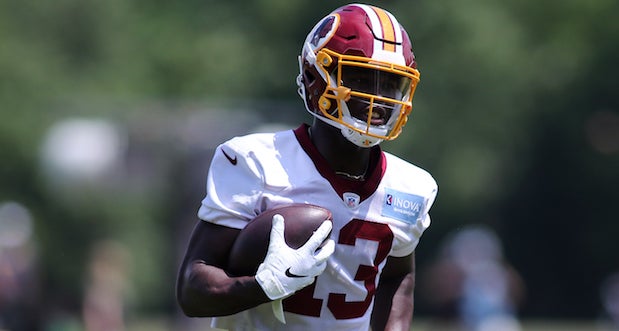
(251, 245)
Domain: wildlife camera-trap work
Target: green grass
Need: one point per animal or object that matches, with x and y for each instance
(164, 324)
(527, 325)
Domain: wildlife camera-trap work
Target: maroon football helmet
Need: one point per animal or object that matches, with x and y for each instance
(358, 73)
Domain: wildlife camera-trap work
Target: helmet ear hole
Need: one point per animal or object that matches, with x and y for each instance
(309, 77)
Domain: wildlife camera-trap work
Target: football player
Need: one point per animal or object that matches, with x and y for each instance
(357, 78)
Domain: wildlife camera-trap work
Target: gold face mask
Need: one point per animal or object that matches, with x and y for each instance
(373, 98)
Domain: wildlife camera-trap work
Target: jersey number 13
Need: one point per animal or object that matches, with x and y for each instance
(304, 303)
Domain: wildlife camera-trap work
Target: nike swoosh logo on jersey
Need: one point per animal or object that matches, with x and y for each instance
(232, 160)
(291, 275)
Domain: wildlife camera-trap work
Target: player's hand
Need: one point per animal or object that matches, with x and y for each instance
(286, 270)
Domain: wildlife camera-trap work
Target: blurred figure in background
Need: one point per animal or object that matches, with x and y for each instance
(471, 286)
(19, 281)
(609, 294)
(106, 287)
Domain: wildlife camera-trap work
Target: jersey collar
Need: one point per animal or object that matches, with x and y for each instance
(341, 185)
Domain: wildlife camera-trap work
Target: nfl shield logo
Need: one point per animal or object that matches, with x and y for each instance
(351, 199)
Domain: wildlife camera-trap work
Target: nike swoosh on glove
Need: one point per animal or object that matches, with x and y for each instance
(302, 264)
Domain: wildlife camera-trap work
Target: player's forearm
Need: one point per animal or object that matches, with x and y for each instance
(393, 305)
(208, 291)
(401, 313)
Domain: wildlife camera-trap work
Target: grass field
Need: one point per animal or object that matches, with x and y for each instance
(418, 325)
(532, 325)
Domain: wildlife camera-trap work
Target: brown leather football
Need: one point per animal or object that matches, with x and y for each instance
(251, 245)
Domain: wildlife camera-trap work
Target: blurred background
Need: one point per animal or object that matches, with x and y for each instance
(110, 111)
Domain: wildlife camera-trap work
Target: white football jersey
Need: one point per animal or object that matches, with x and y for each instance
(385, 215)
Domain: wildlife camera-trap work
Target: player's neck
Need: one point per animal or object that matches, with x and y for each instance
(345, 158)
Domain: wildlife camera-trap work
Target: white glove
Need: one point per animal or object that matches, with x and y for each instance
(286, 270)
